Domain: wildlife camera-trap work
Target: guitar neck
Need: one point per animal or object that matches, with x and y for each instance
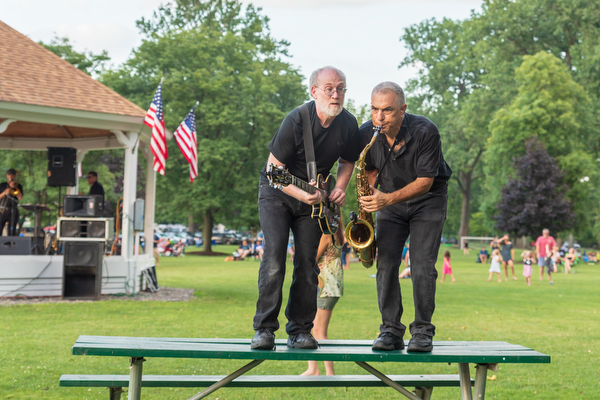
(305, 186)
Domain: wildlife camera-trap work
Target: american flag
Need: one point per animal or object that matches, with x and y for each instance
(155, 119)
(185, 136)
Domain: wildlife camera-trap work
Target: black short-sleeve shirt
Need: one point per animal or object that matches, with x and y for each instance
(4, 186)
(420, 157)
(340, 140)
(96, 189)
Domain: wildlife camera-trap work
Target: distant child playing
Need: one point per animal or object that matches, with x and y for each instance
(447, 269)
(527, 266)
(495, 268)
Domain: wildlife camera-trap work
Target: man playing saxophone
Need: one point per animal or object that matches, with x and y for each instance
(10, 193)
(406, 160)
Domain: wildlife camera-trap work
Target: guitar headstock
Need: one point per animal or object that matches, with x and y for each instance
(279, 176)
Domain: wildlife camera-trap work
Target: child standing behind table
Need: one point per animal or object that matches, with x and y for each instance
(495, 268)
(527, 266)
(447, 269)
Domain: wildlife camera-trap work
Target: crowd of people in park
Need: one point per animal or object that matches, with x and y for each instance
(544, 252)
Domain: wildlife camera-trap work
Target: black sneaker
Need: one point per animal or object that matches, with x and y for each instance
(302, 340)
(420, 343)
(387, 341)
(263, 339)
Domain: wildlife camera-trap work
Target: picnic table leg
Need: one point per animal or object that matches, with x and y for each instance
(465, 381)
(115, 393)
(386, 380)
(135, 378)
(481, 379)
(226, 380)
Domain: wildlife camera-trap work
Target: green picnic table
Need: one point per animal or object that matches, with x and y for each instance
(485, 355)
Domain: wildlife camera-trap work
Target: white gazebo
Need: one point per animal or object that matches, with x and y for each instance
(46, 102)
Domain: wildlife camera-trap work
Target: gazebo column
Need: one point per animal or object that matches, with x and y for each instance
(150, 201)
(129, 186)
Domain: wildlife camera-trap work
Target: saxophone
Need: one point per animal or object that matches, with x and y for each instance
(359, 231)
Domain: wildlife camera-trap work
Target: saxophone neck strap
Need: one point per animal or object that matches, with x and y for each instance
(309, 149)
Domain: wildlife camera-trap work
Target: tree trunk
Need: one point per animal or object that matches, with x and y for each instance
(207, 231)
(191, 224)
(465, 212)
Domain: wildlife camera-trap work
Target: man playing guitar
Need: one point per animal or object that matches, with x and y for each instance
(10, 193)
(281, 208)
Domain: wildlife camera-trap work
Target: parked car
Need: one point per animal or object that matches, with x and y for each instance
(225, 238)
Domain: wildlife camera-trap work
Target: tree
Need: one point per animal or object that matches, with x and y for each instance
(225, 58)
(534, 199)
(449, 92)
(88, 62)
(556, 110)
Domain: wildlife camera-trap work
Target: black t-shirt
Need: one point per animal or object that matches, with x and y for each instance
(420, 157)
(3, 187)
(340, 140)
(96, 189)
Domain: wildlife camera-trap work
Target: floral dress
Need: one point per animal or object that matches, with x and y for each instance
(331, 277)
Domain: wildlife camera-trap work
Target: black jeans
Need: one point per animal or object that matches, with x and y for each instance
(423, 218)
(278, 214)
(5, 219)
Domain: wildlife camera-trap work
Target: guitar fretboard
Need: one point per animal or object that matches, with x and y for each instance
(306, 186)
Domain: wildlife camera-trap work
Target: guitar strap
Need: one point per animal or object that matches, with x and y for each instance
(309, 149)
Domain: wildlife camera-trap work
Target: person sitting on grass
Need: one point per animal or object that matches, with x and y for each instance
(244, 249)
(483, 255)
(179, 249)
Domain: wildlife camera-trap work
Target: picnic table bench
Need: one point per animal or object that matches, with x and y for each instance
(485, 355)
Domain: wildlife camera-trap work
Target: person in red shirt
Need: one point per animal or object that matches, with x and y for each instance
(541, 244)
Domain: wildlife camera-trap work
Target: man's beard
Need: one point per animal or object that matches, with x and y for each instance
(330, 111)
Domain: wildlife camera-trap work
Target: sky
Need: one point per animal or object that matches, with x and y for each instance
(360, 37)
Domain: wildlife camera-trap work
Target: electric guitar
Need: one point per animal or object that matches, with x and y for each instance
(327, 213)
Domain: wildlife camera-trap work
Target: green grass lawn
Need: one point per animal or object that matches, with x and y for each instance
(562, 320)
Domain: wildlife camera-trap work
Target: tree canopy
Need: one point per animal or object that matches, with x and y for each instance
(224, 57)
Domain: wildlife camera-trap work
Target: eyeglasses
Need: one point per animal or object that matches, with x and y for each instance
(329, 91)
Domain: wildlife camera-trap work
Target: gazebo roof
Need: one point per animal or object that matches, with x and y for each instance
(44, 97)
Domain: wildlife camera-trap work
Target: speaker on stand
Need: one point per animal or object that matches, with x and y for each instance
(82, 270)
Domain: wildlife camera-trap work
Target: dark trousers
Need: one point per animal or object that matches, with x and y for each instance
(423, 219)
(5, 219)
(278, 214)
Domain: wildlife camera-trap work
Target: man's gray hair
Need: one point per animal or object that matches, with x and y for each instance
(391, 87)
(314, 77)
(546, 230)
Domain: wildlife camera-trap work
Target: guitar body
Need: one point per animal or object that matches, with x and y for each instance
(327, 212)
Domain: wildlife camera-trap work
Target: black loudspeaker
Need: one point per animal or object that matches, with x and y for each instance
(62, 166)
(82, 270)
(15, 245)
(80, 229)
(82, 205)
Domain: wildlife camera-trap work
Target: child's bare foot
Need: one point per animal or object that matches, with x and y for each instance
(489, 279)
(515, 278)
(499, 280)
(310, 372)
(453, 280)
